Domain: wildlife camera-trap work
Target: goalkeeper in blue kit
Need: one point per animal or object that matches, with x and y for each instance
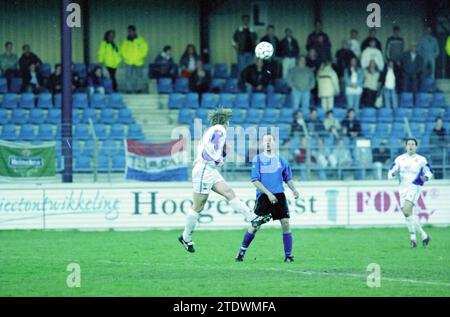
(269, 171)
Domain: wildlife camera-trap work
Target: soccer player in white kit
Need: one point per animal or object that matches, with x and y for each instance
(206, 177)
(413, 171)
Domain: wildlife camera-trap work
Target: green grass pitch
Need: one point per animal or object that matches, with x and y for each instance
(329, 262)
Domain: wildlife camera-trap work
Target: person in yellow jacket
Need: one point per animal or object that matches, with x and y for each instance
(447, 46)
(134, 50)
(109, 56)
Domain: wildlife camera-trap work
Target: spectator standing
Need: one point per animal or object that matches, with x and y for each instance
(200, 79)
(272, 39)
(412, 67)
(134, 50)
(354, 44)
(27, 59)
(255, 78)
(323, 49)
(188, 61)
(372, 37)
(164, 65)
(439, 143)
(372, 53)
(343, 58)
(289, 52)
(354, 80)
(8, 63)
(109, 56)
(244, 41)
(314, 40)
(54, 82)
(371, 85)
(332, 125)
(301, 80)
(328, 85)
(428, 48)
(389, 79)
(395, 46)
(313, 61)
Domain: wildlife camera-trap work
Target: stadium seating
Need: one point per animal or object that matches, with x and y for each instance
(406, 100)
(438, 100)
(117, 131)
(58, 100)
(116, 101)
(176, 101)
(4, 117)
(286, 115)
(125, 116)
(258, 100)
(275, 100)
(181, 85)
(82, 132)
(419, 115)
(185, 116)
(422, 100)
(76, 117)
(217, 85)
(238, 117)
(89, 148)
(27, 132)
(19, 116)
(79, 100)
(368, 115)
(118, 163)
(36, 116)
(3, 85)
(89, 113)
(9, 101)
(45, 132)
(234, 73)
(45, 70)
(253, 116)
(44, 100)
(241, 101)
(231, 85)
(100, 131)
(208, 101)
(226, 100)
(82, 164)
(54, 116)
(385, 115)
(220, 70)
(270, 116)
(108, 85)
(98, 101)
(135, 132)
(9, 132)
(165, 85)
(107, 116)
(16, 85)
(80, 70)
(192, 100)
(281, 86)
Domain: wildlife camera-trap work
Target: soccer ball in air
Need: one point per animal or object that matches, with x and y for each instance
(264, 50)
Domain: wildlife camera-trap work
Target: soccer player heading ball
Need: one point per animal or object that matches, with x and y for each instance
(413, 171)
(269, 171)
(211, 153)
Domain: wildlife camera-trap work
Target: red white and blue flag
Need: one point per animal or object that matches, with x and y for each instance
(161, 162)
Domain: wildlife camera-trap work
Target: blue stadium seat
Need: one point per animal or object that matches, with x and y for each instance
(135, 132)
(321, 114)
(36, 116)
(192, 100)
(220, 70)
(281, 86)
(385, 115)
(428, 85)
(100, 131)
(438, 100)
(76, 148)
(80, 70)
(108, 85)
(19, 116)
(76, 118)
(400, 114)
(231, 86)
(366, 129)
(9, 101)
(398, 131)
(27, 132)
(208, 101)
(406, 100)
(275, 100)
(9, 132)
(368, 115)
(381, 130)
(416, 129)
(103, 163)
(117, 131)
(422, 100)
(89, 113)
(107, 116)
(98, 101)
(339, 113)
(82, 164)
(234, 73)
(165, 85)
(80, 100)
(182, 85)
(3, 85)
(45, 70)
(82, 132)
(176, 101)
(286, 115)
(4, 117)
(118, 163)
(285, 131)
(217, 85)
(419, 115)
(238, 117)
(258, 100)
(435, 112)
(270, 116)
(226, 100)
(45, 132)
(54, 116)
(116, 100)
(58, 100)
(253, 116)
(242, 101)
(185, 116)
(109, 147)
(45, 100)
(202, 114)
(91, 67)
(125, 116)
(88, 148)
(16, 85)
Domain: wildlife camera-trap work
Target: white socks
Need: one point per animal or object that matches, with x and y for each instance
(242, 208)
(419, 229)
(191, 223)
(410, 224)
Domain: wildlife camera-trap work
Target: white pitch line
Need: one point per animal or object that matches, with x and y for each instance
(362, 276)
(311, 273)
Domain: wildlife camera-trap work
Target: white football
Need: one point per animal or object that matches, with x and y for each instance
(264, 50)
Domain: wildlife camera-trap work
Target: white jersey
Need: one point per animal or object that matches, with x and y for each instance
(410, 168)
(210, 149)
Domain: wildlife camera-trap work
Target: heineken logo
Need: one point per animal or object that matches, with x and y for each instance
(25, 161)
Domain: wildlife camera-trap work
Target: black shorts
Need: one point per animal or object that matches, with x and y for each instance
(278, 210)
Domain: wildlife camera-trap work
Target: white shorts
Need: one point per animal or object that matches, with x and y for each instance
(410, 193)
(204, 176)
